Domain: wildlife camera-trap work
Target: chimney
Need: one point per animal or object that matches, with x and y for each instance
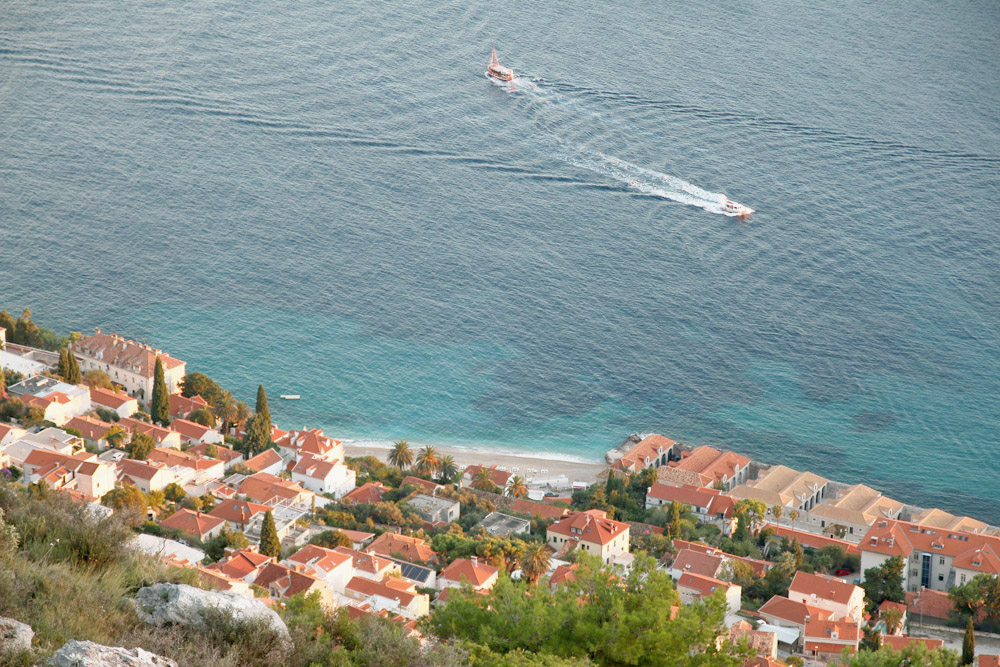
(475, 561)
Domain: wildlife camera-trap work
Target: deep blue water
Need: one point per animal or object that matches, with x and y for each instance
(332, 199)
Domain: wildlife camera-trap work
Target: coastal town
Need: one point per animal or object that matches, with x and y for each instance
(789, 567)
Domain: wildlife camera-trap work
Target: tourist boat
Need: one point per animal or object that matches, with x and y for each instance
(498, 71)
(291, 397)
(737, 209)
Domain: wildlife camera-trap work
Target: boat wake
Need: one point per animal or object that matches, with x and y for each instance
(640, 179)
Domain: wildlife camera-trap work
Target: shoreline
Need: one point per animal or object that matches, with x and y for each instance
(574, 470)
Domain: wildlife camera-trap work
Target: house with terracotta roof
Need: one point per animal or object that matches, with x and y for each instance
(182, 407)
(593, 532)
(163, 437)
(128, 363)
(59, 401)
(537, 509)
(652, 451)
(371, 566)
(785, 613)
(697, 562)
(898, 643)
(839, 598)
(93, 431)
(813, 540)
(200, 525)
(293, 445)
(500, 478)
(118, 401)
(82, 472)
(468, 571)
(244, 564)
(851, 512)
(391, 594)
(283, 582)
(936, 518)
(334, 567)
(988, 660)
(238, 514)
(426, 486)
(563, 575)
(763, 643)
(216, 581)
(826, 638)
(780, 485)
(193, 433)
(404, 547)
(323, 475)
(693, 587)
(147, 476)
(708, 505)
(268, 461)
(190, 469)
(271, 490)
(229, 456)
(935, 558)
(369, 492)
(713, 467)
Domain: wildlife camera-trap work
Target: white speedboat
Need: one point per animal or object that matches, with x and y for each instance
(735, 208)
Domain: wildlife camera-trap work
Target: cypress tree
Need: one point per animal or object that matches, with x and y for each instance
(73, 375)
(256, 439)
(969, 644)
(261, 407)
(159, 406)
(269, 543)
(61, 369)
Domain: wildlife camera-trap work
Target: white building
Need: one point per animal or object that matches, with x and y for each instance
(320, 476)
(129, 364)
(60, 401)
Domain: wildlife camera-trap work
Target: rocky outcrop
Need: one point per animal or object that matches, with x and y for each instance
(89, 654)
(15, 637)
(178, 604)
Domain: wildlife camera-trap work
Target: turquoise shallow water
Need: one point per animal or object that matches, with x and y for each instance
(330, 198)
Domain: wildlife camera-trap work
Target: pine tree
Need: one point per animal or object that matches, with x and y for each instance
(261, 407)
(256, 439)
(969, 644)
(269, 543)
(159, 407)
(73, 375)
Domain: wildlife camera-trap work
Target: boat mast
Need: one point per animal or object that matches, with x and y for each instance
(493, 57)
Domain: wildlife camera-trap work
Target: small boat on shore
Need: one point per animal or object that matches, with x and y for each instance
(736, 208)
(291, 397)
(498, 71)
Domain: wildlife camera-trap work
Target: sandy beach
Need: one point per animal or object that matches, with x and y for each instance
(574, 471)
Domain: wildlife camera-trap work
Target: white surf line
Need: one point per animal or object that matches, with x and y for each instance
(632, 175)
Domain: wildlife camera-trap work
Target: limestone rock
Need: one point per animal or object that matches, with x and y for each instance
(15, 637)
(88, 654)
(179, 604)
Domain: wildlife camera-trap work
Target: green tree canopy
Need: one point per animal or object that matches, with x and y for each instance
(401, 455)
(884, 582)
(140, 446)
(332, 539)
(270, 545)
(174, 492)
(159, 406)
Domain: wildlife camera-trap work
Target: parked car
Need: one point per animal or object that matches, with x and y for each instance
(842, 572)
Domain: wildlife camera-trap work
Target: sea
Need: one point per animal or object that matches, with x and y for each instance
(331, 199)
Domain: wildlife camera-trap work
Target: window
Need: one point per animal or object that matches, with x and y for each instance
(941, 560)
(963, 579)
(940, 577)
(914, 573)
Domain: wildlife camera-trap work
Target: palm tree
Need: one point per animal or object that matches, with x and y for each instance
(447, 469)
(401, 455)
(516, 488)
(793, 515)
(535, 562)
(242, 412)
(483, 480)
(226, 411)
(777, 510)
(428, 460)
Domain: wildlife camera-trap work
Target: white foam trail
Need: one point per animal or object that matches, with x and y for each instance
(638, 178)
